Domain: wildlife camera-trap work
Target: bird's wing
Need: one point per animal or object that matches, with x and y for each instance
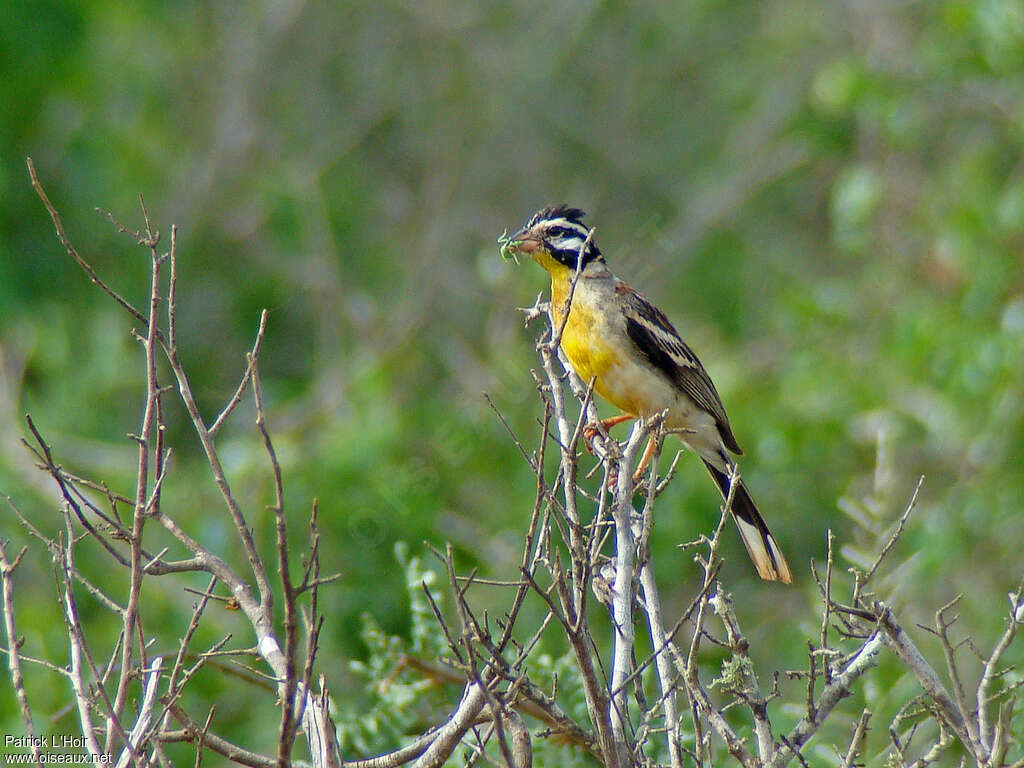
(659, 342)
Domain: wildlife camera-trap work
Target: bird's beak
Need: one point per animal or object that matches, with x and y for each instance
(526, 241)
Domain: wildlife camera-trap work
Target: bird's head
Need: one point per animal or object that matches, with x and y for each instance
(554, 237)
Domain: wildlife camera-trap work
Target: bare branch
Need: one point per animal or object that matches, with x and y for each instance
(136, 739)
(55, 217)
(989, 673)
(7, 568)
(896, 640)
(195, 734)
(449, 734)
(622, 591)
(901, 525)
(750, 691)
(252, 357)
(856, 741)
(838, 689)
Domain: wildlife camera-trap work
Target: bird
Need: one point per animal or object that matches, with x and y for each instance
(618, 339)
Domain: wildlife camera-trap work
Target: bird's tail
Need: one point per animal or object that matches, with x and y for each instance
(760, 544)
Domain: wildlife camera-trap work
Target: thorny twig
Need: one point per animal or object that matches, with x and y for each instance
(151, 473)
(566, 551)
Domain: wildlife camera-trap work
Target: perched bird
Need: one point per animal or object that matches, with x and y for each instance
(618, 339)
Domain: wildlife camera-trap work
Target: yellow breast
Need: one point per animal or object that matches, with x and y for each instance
(590, 355)
(589, 344)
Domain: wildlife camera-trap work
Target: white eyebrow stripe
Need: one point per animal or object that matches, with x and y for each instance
(566, 224)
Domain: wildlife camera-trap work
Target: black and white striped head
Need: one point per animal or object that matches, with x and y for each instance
(558, 231)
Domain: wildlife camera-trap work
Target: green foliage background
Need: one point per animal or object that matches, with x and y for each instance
(827, 198)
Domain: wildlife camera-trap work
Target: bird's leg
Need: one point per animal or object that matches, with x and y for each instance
(652, 443)
(590, 431)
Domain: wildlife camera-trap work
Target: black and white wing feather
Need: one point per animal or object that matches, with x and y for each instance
(660, 343)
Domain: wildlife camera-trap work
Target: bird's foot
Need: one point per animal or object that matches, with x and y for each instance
(592, 430)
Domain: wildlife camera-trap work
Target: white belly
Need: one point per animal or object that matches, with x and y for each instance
(644, 391)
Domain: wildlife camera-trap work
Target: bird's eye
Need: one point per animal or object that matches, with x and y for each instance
(556, 232)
